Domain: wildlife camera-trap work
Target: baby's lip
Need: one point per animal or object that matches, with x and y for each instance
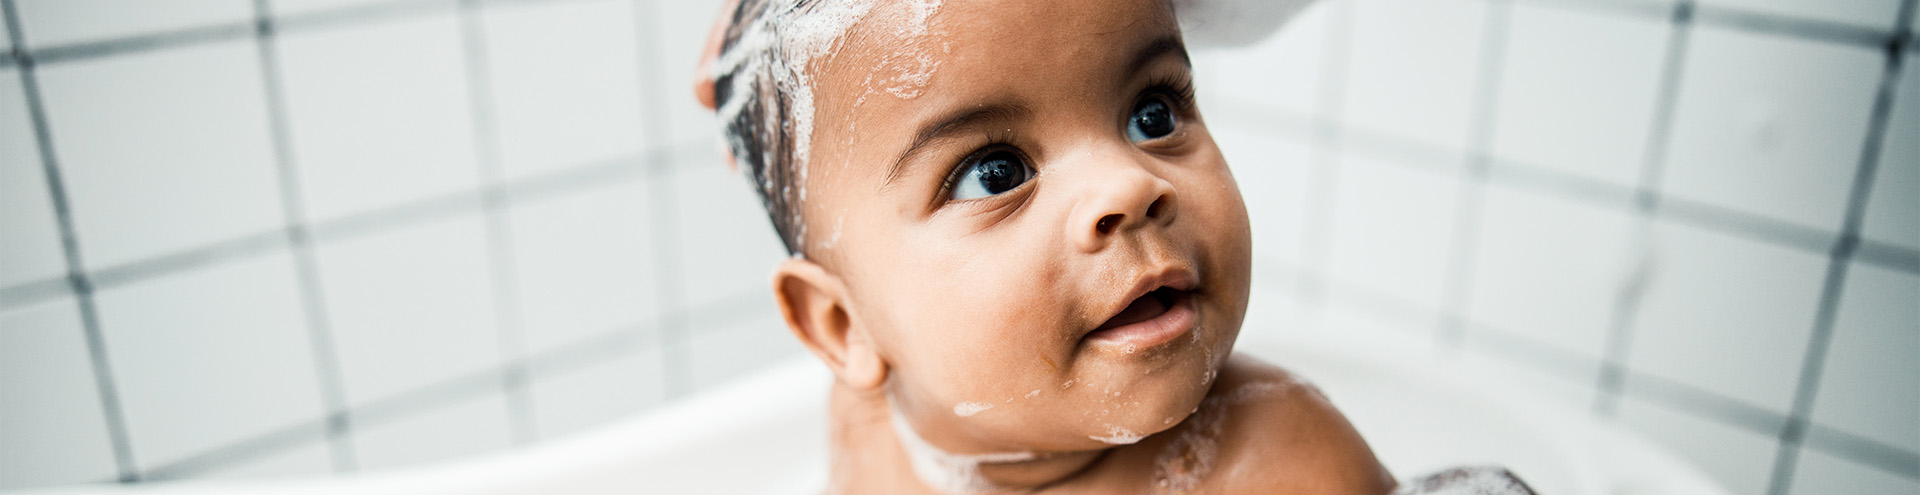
(1174, 277)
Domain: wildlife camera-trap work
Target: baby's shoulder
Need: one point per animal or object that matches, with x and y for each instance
(1279, 434)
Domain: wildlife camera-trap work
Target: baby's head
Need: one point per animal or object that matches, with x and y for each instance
(1007, 215)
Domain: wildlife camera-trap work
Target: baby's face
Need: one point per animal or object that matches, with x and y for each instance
(1041, 237)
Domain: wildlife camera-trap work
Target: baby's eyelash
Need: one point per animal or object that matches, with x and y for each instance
(1180, 88)
(995, 140)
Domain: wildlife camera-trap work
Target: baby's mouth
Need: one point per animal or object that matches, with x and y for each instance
(1149, 306)
(1153, 319)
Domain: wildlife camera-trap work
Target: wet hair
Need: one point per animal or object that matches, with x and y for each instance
(755, 86)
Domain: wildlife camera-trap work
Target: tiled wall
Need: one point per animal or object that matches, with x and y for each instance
(309, 236)
(1700, 219)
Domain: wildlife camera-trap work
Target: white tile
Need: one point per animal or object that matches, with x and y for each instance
(1819, 473)
(6, 37)
(1577, 91)
(1870, 13)
(1271, 311)
(294, 7)
(410, 308)
(210, 357)
(1893, 210)
(55, 432)
(727, 246)
(1871, 383)
(1274, 177)
(1413, 68)
(163, 151)
(1362, 323)
(1392, 228)
(566, 83)
(572, 401)
(447, 432)
(55, 22)
(1282, 71)
(1549, 269)
(719, 353)
(312, 459)
(585, 264)
(1740, 460)
(679, 30)
(379, 113)
(1569, 392)
(1727, 314)
(1771, 125)
(31, 249)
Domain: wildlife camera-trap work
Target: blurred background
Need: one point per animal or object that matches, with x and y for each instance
(292, 237)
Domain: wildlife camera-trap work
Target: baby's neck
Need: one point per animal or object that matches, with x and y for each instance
(866, 422)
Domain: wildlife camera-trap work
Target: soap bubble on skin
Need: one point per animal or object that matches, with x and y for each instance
(1117, 435)
(967, 409)
(947, 471)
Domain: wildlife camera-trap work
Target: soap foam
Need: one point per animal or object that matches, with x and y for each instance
(966, 409)
(946, 471)
(1117, 435)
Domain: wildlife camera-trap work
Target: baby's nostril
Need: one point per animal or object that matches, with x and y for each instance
(1153, 210)
(1107, 223)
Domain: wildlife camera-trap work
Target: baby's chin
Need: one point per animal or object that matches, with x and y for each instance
(1123, 408)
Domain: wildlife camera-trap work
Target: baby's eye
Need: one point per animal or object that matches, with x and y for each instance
(1151, 119)
(996, 172)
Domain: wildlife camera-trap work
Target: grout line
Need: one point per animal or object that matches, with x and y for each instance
(299, 235)
(1759, 23)
(269, 443)
(1703, 403)
(1717, 16)
(1316, 237)
(592, 175)
(1647, 200)
(1863, 450)
(77, 277)
(1470, 194)
(669, 280)
(1737, 19)
(1687, 399)
(1413, 154)
(1813, 365)
(141, 43)
(619, 343)
(503, 264)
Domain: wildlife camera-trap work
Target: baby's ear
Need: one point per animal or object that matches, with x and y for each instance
(814, 303)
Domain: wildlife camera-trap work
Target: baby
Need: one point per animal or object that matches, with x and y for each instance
(1018, 249)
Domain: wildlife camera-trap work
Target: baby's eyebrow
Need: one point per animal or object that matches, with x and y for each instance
(955, 122)
(1158, 47)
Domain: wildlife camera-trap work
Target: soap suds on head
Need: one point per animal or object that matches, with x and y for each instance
(966, 409)
(946, 471)
(766, 89)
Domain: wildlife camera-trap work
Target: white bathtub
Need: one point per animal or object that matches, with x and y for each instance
(766, 434)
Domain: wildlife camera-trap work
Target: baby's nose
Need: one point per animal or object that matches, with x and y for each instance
(1120, 196)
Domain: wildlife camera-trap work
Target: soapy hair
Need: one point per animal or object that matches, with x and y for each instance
(765, 99)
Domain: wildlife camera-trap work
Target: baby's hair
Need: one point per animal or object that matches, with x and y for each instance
(765, 99)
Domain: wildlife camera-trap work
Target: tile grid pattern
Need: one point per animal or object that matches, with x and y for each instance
(77, 278)
(300, 235)
(1793, 434)
(1329, 136)
(658, 162)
